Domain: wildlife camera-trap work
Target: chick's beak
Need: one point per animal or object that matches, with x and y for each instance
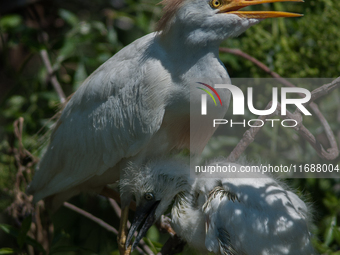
(233, 6)
(146, 214)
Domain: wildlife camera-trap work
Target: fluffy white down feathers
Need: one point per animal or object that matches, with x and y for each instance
(241, 215)
(244, 216)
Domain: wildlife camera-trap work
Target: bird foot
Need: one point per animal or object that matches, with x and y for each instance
(123, 230)
(121, 247)
(164, 225)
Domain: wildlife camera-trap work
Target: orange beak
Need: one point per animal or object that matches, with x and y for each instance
(233, 6)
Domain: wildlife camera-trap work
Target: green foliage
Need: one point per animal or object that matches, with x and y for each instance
(21, 237)
(80, 36)
(294, 48)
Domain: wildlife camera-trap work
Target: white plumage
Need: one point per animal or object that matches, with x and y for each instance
(245, 214)
(137, 104)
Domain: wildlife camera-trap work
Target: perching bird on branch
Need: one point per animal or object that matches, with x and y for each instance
(244, 214)
(136, 105)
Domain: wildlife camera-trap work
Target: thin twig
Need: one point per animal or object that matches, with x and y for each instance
(250, 134)
(53, 78)
(325, 89)
(331, 153)
(97, 220)
(91, 217)
(22, 204)
(248, 138)
(44, 55)
(257, 62)
(328, 130)
(319, 92)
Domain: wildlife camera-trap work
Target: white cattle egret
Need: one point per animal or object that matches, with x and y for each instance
(136, 105)
(246, 214)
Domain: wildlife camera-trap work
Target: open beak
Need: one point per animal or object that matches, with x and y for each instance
(146, 214)
(234, 5)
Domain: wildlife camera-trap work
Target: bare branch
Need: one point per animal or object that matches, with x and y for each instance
(250, 134)
(97, 220)
(333, 152)
(53, 78)
(325, 89)
(91, 217)
(248, 138)
(42, 37)
(257, 62)
(22, 204)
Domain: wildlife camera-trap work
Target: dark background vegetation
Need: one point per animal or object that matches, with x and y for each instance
(79, 36)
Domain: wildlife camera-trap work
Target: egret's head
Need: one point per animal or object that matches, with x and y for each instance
(214, 20)
(154, 187)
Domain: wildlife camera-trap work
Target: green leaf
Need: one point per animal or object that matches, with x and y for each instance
(69, 17)
(329, 232)
(28, 240)
(10, 21)
(112, 36)
(35, 244)
(100, 27)
(63, 249)
(80, 75)
(337, 235)
(153, 234)
(9, 230)
(154, 246)
(6, 251)
(25, 227)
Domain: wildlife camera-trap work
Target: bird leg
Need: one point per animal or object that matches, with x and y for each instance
(123, 231)
(123, 225)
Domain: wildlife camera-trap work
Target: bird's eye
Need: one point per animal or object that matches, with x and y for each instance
(215, 3)
(149, 196)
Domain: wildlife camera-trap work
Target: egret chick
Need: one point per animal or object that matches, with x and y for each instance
(246, 214)
(154, 186)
